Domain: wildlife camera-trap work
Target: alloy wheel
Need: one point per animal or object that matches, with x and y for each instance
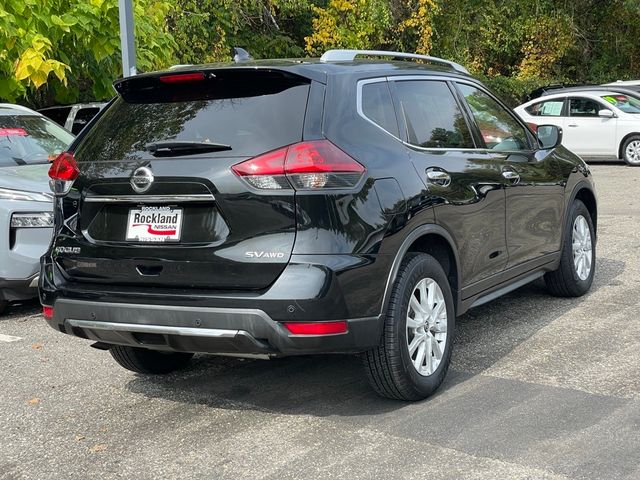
(582, 248)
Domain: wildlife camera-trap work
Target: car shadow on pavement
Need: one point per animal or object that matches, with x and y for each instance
(325, 385)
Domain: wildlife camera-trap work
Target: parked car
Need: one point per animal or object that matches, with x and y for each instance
(73, 117)
(598, 124)
(27, 141)
(278, 207)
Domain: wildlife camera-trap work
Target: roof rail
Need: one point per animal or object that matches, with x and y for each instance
(350, 55)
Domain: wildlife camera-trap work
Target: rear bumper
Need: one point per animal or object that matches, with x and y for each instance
(202, 329)
(19, 289)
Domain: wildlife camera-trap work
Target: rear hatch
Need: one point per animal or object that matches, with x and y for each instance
(157, 203)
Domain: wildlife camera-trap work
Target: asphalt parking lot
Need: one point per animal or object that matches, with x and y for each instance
(540, 387)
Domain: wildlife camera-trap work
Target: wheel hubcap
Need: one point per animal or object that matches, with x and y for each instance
(633, 152)
(582, 249)
(426, 326)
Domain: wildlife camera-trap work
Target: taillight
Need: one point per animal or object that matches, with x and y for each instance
(316, 328)
(63, 171)
(303, 166)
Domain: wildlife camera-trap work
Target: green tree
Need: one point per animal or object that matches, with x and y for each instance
(67, 50)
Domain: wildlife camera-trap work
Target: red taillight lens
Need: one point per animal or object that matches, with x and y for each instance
(47, 312)
(182, 78)
(316, 328)
(303, 166)
(64, 168)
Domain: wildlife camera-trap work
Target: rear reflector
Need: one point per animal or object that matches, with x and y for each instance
(182, 78)
(47, 312)
(303, 166)
(316, 328)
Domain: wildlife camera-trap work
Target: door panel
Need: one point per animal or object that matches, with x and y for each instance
(534, 188)
(586, 133)
(464, 184)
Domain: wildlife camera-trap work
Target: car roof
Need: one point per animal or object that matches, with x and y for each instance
(316, 69)
(573, 93)
(13, 109)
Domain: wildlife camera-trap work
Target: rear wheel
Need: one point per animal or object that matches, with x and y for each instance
(144, 360)
(631, 150)
(574, 276)
(414, 356)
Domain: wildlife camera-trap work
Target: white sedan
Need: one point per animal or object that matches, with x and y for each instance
(597, 125)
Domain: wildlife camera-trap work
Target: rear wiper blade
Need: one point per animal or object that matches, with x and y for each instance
(176, 147)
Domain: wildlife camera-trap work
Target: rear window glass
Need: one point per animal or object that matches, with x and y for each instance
(432, 116)
(252, 112)
(550, 108)
(26, 139)
(624, 103)
(377, 106)
(58, 115)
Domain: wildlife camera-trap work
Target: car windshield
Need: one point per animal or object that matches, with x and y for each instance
(29, 139)
(624, 103)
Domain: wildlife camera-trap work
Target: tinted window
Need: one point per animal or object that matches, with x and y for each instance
(377, 106)
(57, 114)
(624, 103)
(432, 116)
(550, 108)
(584, 107)
(26, 139)
(252, 112)
(83, 116)
(499, 129)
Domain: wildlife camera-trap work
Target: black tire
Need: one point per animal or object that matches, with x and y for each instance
(144, 360)
(389, 367)
(565, 282)
(3, 305)
(630, 161)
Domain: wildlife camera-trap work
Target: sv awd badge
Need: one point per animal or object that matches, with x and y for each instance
(264, 254)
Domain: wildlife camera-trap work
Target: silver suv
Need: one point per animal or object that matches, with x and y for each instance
(28, 141)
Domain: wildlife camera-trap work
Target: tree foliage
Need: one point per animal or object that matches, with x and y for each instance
(63, 50)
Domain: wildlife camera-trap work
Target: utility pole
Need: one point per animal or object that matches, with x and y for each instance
(127, 38)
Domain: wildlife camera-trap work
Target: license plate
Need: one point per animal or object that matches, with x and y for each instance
(154, 224)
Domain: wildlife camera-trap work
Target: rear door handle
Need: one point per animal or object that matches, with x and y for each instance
(511, 175)
(438, 177)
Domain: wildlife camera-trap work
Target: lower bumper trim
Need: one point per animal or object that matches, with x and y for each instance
(159, 329)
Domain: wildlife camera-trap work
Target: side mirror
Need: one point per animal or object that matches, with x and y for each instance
(550, 136)
(606, 113)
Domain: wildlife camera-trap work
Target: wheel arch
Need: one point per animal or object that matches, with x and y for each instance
(585, 194)
(623, 141)
(435, 241)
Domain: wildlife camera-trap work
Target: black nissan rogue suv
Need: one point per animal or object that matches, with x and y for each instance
(289, 207)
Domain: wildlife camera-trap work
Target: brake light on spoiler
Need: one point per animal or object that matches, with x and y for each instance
(308, 165)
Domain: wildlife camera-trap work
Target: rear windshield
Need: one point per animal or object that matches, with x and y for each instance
(251, 112)
(29, 139)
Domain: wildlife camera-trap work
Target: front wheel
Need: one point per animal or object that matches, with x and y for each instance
(414, 355)
(574, 275)
(631, 151)
(144, 360)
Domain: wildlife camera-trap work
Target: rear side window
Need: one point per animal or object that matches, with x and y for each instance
(57, 114)
(83, 116)
(26, 139)
(253, 112)
(377, 106)
(584, 107)
(431, 115)
(550, 108)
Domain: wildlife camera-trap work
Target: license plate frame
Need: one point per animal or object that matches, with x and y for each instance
(154, 224)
